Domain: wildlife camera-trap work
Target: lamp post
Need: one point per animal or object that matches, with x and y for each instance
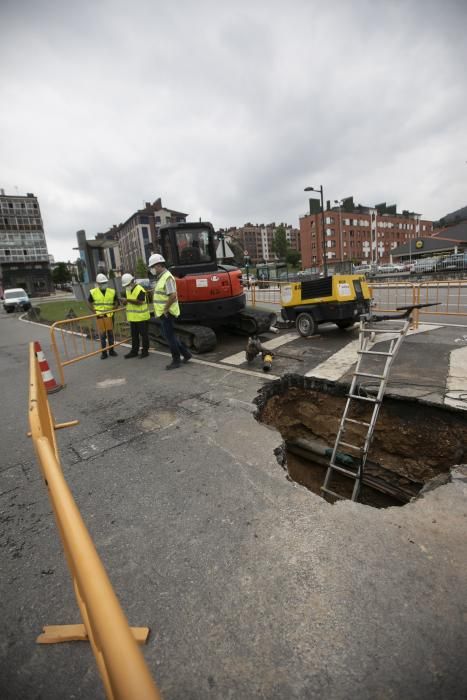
(339, 203)
(247, 261)
(320, 190)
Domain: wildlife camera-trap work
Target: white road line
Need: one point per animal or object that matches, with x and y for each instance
(338, 364)
(456, 378)
(239, 357)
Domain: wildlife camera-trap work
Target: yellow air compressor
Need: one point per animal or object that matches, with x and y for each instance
(339, 299)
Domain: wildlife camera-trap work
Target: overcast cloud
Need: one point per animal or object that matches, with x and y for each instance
(228, 110)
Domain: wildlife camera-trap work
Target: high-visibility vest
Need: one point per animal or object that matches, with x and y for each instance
(136, 312)
(160, 296)
(103, 301)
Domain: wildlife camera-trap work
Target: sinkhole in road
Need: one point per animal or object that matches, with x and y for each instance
(414, 446)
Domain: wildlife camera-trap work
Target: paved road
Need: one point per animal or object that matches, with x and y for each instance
(253, 587)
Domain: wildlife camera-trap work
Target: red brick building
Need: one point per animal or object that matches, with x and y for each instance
(357, 233)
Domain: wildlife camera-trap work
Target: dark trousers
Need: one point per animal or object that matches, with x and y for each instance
(107, 335)
(139, 328)
(177, 347)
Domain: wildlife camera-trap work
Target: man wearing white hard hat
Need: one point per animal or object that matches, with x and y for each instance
(103, 301)
(167, 309)
(137, 314)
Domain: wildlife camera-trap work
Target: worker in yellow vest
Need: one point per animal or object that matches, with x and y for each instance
(137, 313)
(102, 301)
(167, 309)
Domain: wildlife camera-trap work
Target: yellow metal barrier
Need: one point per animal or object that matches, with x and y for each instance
(450, 295)
(114, 644)
(75, 339)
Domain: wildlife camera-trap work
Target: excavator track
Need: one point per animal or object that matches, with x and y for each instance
(203, 339)
(198, 338)
(250, 321)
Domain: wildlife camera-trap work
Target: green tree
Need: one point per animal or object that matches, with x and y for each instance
(293, 257)
(141, 268)
(61, 274)
(279, 242)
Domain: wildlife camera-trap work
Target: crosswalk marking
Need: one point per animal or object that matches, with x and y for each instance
(338, 364)
(239, 357)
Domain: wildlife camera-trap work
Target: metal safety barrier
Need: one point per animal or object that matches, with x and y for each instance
(450, 297)
(76, 339)
(120, 662)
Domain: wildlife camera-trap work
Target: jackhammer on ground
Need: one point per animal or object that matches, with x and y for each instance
(254, 347)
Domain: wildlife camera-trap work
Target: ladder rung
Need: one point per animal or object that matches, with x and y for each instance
(382, 330)
(375, 352)
(359, 422)
(363, 398)
(367, 374)
(348, 444)
(332, 493)
(347, 472)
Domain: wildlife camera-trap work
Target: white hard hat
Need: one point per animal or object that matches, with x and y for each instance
(127, 279)
(101, 279)
(155, 259)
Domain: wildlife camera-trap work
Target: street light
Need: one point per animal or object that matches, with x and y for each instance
(320, 190)
(339, 203)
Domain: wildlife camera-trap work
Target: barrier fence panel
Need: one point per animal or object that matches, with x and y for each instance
(449, 295)
(75, 339)
(119, 660)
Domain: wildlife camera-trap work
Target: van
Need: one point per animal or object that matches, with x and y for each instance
(15, 300)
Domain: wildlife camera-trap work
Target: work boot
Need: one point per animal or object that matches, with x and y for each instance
(104, 356)
(175, 364)
(112, 353)
(130, 354)
(143, 354)
(187, 358)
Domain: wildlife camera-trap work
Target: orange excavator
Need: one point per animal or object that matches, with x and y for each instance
(210, 294)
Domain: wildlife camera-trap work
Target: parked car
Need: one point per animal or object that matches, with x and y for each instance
(15, 299)
(390, 268)
(425, 265)
(363, 269)
(457, 261)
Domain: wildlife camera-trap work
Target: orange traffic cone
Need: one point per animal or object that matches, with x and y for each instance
(47, 377)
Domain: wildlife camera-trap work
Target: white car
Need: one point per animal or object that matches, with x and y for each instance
(15, 300)
(365, 269)
(390, 268)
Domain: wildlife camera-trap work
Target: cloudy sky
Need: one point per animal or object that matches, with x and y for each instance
(228, 110)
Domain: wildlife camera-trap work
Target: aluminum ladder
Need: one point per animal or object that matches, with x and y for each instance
(368, 336)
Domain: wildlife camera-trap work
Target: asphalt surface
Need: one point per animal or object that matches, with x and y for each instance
(253, 587)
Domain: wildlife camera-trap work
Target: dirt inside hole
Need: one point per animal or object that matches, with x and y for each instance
(415, 443)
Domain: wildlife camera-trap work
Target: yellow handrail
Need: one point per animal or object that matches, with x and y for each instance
(120, 662)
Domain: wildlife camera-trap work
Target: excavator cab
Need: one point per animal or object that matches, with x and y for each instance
(189, 248)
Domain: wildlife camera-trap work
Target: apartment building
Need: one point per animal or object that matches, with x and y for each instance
(356, 232)
(138, 236)
(24, 258)
(256, 239)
